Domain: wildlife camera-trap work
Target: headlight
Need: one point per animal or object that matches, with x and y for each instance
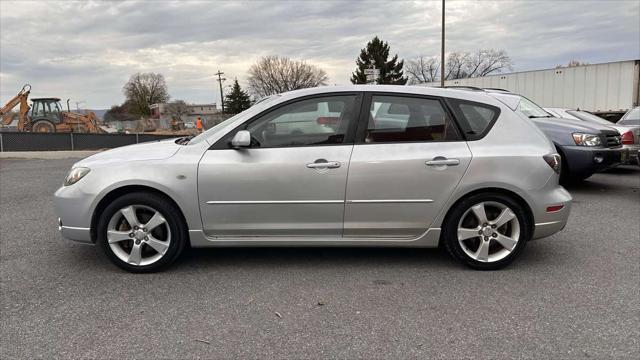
(75, 175)
(586, 139)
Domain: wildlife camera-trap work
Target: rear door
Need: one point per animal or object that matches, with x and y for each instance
(408, 158)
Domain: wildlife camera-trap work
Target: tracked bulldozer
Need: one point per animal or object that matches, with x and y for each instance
(46, 115)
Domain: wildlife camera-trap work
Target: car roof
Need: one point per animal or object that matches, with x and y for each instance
(479, 96)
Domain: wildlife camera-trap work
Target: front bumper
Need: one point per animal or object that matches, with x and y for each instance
(78, 234)
(584, 161)
(73, 207)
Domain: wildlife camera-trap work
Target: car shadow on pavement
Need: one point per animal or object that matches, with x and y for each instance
(319, 257)
(82, 257)
(624, 170)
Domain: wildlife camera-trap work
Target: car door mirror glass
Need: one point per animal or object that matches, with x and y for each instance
(241, 139)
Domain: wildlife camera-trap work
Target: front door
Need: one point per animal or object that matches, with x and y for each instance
(291, 181)
(405, 165)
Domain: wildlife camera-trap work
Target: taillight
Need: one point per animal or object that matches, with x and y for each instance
(554, 161)
(627, 138)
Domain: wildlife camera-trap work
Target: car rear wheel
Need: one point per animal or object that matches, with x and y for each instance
(486, 231)
(142, 232)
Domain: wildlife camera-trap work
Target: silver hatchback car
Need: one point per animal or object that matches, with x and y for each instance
(393, 166)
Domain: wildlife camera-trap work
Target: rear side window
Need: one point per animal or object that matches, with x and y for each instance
(475, 119)
(408, 119)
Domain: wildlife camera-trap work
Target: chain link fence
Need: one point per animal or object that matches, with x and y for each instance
(18, 141)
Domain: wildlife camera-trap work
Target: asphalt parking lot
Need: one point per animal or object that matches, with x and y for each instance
(573, 295)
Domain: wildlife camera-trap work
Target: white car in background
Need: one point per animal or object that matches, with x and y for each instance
(630, 133)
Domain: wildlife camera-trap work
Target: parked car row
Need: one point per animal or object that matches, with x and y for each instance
(586, 145)
(628, 127)
(475, 171)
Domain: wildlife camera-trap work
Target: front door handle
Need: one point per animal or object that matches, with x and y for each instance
(324, 164)
(441, 161)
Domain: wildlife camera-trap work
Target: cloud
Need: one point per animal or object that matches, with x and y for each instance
(87, 50)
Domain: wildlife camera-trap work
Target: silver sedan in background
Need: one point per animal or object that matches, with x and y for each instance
(393, 166)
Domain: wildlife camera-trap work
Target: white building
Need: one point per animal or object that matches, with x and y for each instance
(209, 113)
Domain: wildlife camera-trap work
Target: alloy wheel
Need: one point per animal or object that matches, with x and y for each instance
(488, 231)
(138, 235)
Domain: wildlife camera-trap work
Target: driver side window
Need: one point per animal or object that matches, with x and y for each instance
(316, 121)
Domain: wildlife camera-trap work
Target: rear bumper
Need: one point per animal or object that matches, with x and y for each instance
(549, 223)
(634, 154)
(584, 161)
(548, 228)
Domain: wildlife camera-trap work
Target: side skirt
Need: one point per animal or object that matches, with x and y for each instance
(429, 239)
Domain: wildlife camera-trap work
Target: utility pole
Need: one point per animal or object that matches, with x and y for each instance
(220, 80)
(442, 50)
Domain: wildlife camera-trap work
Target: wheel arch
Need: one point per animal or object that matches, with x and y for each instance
(126, 189)
(512, 194)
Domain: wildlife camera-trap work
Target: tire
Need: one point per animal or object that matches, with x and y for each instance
(467, 249)
(157, 247)
(43, 126)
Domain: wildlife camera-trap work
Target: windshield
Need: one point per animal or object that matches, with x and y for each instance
(587, 116)
(631, 118)
(531, 109)
(213, 130)
(259, 104)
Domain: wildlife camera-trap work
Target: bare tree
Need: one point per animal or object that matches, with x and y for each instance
(486, 61)
(176, 109)
(459, 65)
(143, 90)
(573, 63)
(273, 75)
(423, 69)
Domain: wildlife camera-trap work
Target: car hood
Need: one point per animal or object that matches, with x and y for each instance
(155, 150)
(571, 125)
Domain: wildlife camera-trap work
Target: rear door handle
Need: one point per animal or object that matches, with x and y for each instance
(440, 161)
(324, 165)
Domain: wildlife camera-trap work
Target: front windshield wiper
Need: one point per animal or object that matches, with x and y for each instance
(184, 140)
(539, 116)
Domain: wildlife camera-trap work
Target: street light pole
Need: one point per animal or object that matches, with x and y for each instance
(442, 50)
(220, 80)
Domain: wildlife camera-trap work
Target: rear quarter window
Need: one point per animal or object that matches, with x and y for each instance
(475, 119)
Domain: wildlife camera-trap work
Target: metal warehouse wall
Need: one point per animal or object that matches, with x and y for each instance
(599, 87)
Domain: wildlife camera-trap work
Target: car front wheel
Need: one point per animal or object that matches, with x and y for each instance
(142, 232)
(486, 231)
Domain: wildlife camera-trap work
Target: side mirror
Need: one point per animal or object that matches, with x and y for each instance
(241, 139)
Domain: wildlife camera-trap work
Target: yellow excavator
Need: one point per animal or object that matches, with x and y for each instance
(46, 115)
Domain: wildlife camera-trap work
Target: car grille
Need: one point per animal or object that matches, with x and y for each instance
(613, 140)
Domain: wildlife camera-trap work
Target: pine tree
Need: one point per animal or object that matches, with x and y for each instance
(376, 53)
(237, 100)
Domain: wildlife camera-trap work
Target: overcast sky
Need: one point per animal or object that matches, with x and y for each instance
(86, 51)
